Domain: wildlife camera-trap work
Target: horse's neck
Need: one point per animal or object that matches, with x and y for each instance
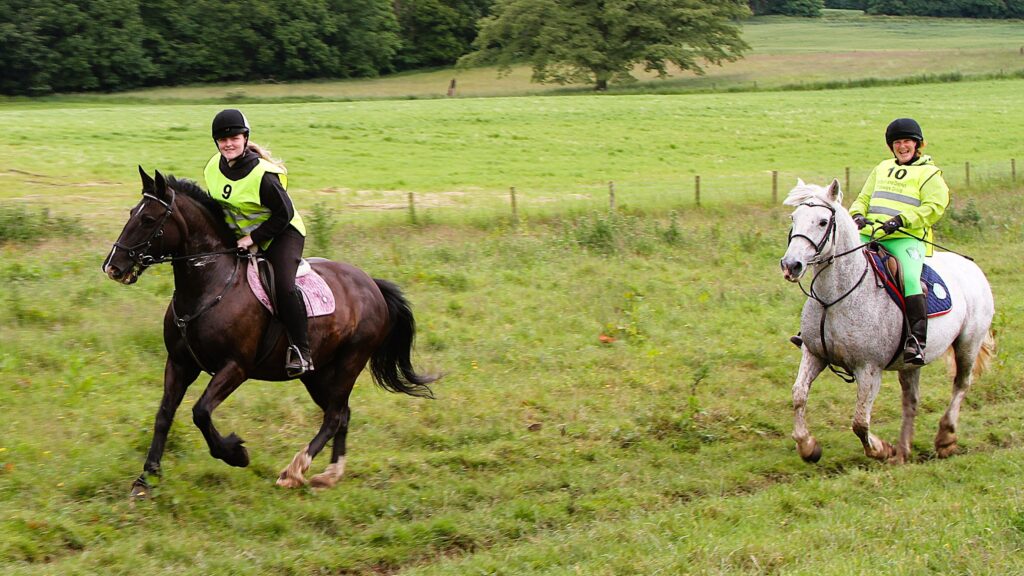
(845, 271)
(195, 277)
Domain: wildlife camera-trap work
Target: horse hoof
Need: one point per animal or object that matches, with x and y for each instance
(814, 456)
(946, 450)
(140, 491)
(234, 453)
(286, 481)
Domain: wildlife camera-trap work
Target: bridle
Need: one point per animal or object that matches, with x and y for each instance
(817, 260)
(139, 253)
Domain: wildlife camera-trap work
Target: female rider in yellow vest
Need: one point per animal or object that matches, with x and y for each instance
(252, 190)
(901, 200)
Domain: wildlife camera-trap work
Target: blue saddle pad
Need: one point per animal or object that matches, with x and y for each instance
(939, 300)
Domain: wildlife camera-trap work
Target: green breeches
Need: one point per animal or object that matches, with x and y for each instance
(910, 254)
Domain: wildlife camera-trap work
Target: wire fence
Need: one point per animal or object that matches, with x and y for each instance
(689, 191)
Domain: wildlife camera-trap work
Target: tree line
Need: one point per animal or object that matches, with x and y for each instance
(997, 9)
(109, 45)
(51, 46)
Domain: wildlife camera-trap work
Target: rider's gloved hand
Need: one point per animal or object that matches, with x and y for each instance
(860, 221)
(892, 224)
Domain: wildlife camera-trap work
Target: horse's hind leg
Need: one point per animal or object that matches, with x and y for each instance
(909, 380)
(330, 392)
(945, 439)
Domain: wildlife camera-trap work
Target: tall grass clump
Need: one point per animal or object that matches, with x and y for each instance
(322, 223)
(19, 224)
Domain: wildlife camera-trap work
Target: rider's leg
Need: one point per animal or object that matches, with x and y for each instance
(285, 253)
(910, 253)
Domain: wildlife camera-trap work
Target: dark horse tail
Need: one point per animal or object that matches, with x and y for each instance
(391, 364)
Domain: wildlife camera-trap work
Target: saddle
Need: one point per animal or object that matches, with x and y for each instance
(315, 292)
(889, 275)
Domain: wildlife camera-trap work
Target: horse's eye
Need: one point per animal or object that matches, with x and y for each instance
(822, 223)
(147, 219)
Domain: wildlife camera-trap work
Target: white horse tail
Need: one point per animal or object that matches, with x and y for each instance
(981, 363)
(985, 355)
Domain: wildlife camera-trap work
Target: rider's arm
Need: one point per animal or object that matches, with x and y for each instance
(273, 197)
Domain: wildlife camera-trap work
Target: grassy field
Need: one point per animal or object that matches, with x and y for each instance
(548, 450)
(460, 157)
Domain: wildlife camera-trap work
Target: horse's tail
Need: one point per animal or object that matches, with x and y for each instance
(391, 364)
(981, 362)
(985, 355)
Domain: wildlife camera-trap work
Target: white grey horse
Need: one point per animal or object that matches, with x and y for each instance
(862, 327)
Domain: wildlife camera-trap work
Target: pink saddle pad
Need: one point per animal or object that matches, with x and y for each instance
(317, 294)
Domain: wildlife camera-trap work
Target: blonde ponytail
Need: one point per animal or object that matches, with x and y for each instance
(265, 153)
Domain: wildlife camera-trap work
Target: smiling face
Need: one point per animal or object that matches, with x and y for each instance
(231, 147)
(905, 150)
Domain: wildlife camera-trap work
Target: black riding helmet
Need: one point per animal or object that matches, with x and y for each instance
(230, 122)
(901, 128)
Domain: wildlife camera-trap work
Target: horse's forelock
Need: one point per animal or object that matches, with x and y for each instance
(803, 192)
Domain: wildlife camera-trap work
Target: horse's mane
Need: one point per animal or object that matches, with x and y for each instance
(804, 192)
(194, 191)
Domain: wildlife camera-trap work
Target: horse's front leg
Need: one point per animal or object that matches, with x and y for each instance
(869, 381)
(223, 383)
(810, 367)
(177, 379)
(909, 380)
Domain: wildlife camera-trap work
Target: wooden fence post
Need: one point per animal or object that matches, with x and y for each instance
(1013, 170)
(967, 174)
(775, 187)
(515, 212)
(611, 196)
(412, 208)
(696, 188)
(846, 185)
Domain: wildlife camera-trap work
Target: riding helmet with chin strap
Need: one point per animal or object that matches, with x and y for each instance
(228, 123)
(902, 128)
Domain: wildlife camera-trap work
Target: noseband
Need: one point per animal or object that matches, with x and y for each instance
(139, 253)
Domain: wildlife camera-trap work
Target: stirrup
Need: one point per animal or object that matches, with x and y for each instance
(913, 353)
(296, 363)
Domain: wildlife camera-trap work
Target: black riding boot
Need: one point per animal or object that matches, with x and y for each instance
(917, 318)
(797, 340)
(298, 361)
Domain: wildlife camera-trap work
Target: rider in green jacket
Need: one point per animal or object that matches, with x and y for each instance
(900, 202)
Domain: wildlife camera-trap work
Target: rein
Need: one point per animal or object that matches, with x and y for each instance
(819, 247)
(140, 256)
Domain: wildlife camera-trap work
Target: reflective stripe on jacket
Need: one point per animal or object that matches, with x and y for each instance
(915, 192)
(241, 198)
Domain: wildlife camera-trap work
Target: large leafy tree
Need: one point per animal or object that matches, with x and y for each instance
(600, 41)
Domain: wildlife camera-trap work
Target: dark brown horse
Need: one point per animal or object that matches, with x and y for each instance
(215, 324)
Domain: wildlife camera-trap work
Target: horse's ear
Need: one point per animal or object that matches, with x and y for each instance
(147, 182)
(800, 183)
(161, 185)
(835, 194)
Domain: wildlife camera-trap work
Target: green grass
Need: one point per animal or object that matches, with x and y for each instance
(460, 157)
(546, 452)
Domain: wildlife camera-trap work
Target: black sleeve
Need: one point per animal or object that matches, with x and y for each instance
(274, 197)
